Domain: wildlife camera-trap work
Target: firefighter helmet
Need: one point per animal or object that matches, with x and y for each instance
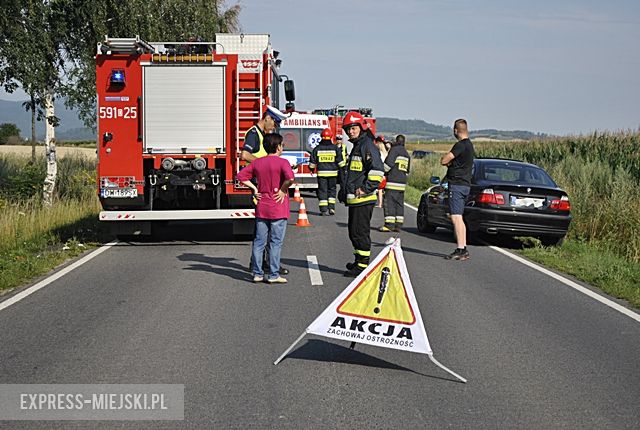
(353, 118)
(326, 134)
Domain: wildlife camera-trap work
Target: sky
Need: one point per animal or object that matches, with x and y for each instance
(550, 66)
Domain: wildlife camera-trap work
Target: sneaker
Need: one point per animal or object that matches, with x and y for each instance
(258, 278)
(353, 272)
(385, 229)
(278, 280)
(458, 254)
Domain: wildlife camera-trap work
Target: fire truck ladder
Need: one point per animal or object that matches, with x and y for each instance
(249, 105)
(132, 45)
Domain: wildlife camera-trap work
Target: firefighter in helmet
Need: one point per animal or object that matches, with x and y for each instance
(363, 174)
(326, 160)
(396, 166)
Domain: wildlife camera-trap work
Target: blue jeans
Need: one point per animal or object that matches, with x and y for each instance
(271, 230)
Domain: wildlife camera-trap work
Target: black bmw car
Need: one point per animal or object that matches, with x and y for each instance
(507, 197)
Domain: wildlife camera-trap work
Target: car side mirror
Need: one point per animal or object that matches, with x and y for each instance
(435, 180)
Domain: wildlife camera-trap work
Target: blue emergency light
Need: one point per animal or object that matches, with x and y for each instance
(117, 77)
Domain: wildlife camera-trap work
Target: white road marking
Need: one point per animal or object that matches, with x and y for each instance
(571, 284)
(568, 282)
(21, 295)
(314, 270)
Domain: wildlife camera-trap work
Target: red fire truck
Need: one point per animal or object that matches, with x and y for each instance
(301, 133)
(171, 123)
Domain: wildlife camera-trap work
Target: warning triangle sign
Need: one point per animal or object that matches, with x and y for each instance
(381, 296)
(378, 308)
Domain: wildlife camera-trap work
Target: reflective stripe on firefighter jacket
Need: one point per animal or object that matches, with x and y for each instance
(326, 159)
(365, 170)
(343, 149)
(396, 166)
(250, 142)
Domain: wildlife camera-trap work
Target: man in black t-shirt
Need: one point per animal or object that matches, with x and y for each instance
(459, 162)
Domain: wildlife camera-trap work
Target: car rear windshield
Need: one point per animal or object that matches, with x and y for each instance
(521, 174)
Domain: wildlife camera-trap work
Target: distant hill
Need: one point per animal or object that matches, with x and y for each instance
(71, 128)
(417, 129)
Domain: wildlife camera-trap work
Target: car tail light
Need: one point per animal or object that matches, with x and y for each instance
(561, 204)
(488, 196)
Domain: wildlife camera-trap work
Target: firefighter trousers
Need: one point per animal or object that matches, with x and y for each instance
(393, 208)
(360, 233)
(327, 186)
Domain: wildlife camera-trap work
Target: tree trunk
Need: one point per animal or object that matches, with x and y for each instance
(33, 129)
(50, 146)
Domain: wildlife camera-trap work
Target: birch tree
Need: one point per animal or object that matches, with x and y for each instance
(30, 60)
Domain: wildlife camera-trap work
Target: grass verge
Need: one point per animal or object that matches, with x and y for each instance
(591, 262)
(29, 257)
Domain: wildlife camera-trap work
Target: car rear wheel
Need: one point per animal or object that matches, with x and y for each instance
(552, 240)
(422, 220)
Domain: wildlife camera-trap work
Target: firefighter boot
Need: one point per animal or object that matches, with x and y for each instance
(332, 206)
(398, 227)
(324, 207)
(354, 263)
(353, 272)
(389, 224)
(359, 265)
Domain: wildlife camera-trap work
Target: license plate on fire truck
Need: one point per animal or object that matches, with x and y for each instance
(118, 193)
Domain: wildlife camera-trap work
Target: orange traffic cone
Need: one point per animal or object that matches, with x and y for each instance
(296, 194)
(303, 221)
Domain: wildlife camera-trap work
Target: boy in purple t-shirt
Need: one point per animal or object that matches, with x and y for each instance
(274, 177)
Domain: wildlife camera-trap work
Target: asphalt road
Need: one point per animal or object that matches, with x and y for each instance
(537, 354)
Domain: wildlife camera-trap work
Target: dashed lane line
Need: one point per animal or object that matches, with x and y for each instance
(314, 270)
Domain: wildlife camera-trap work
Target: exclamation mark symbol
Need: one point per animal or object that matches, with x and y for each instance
(384, 282)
